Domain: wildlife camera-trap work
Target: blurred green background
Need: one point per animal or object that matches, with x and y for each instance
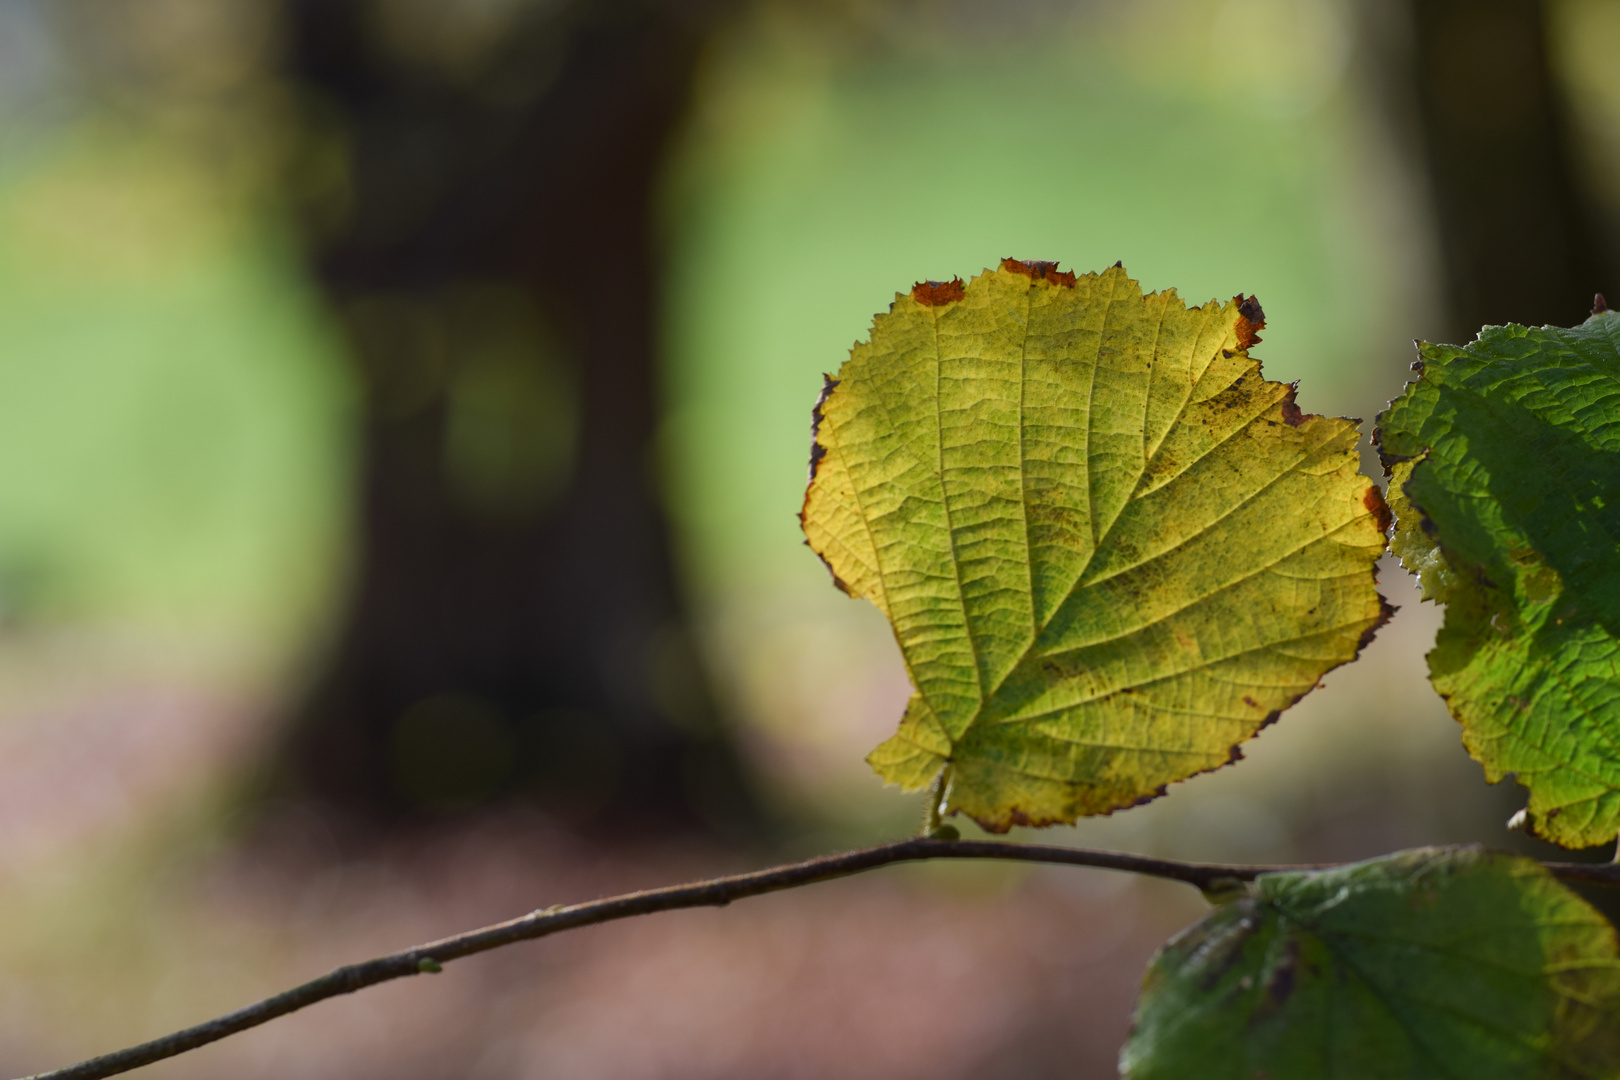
(192, 426)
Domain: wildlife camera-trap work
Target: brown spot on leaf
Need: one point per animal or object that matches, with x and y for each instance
(1386, 458)
(1599, 305)
(1234, 756)
(841, 584)
(1279, 987)
(936, 293)
(1386, 611)
(1373, 500)
(1250, 702)
(817, 451)
(1251, 320)
(1292, 415)
(1039, 270)
(1015, 816)
(1271, 718)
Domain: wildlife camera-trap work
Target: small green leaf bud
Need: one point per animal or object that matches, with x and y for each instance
(1223, 890)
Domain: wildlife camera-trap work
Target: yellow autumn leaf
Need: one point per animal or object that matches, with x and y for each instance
(1109, 548)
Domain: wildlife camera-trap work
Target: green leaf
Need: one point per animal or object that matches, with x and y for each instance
(1420, 965)
(1110, 550)
(1505, 481)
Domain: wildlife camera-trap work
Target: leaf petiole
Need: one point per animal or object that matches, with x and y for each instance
(934, 813)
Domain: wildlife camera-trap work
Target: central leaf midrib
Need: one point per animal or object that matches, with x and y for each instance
(1037, 628)
(950, 528)
(1023, 485)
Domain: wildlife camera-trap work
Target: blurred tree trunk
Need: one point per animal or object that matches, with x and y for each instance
(1518, 241)
(515, 625)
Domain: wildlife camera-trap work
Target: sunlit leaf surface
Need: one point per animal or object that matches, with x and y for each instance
(1110, 550)
(1505, 459)
(1423, 965)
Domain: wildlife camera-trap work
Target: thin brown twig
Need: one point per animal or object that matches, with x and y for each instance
(716, 892)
